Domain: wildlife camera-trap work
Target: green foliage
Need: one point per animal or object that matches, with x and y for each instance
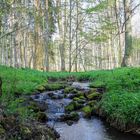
(99, 7)
(97, 84)
(20, 81)
(17, 107)
(122, 107)
(101, 38)
(124, 79)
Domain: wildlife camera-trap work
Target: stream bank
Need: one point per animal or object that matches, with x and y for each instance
(72, 112)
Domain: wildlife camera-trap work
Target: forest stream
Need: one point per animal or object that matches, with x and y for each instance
(93, 128)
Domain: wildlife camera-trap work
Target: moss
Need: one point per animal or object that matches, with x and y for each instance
(80, 100)
(41, 117)
(73, 106)
(33, 106)
(25, 130)
(82, 97)
(78, 106)
(68, 90)
(21, 100)
(93, 90)
(41, 88)
(93, 96)
(87, 111)
(92, 103)
(70, 107)
(2, 130)
(73, 116)
(55, 86)
(76, 99)
(75, 91)
(79, 94)
(19, 106)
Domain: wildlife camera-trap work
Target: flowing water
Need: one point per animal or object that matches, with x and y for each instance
(84, 129)
(93, 129)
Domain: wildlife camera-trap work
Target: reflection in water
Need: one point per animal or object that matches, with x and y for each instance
(93, 129)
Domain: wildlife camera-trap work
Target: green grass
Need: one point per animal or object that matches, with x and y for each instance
(122, 107)
(121, 102)
(20, 81)
(126, 79)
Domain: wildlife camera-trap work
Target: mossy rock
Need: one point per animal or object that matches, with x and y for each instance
(58, 96)
(54, 86)
(33, 106)
(41, 88)
(74, 116)
(37, 106)
(68, 90)
(79, 94)
(87, 111)
(70, 107)
(41, 117)
(74, 91)
(69, 122)
(80, 100)
(91, 103)
(70, 117)
(76, 99)
(82, 97)
(78, 106)
(92, 90)
(74, 105)
(93, 96)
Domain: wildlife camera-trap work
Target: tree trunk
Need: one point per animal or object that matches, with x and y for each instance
(61, 35)
(127, 28)
(70, 36)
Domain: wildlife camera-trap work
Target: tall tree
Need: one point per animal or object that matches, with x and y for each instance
(127, 30)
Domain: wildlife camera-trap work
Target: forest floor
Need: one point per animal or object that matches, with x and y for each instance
(119, 102)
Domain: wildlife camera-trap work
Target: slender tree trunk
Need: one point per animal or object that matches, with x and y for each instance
(70, 36)
(61, 35)
(77, 27)
(47, 38)
(127, 29)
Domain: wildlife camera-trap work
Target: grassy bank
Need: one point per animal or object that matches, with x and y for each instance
(120, 103)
